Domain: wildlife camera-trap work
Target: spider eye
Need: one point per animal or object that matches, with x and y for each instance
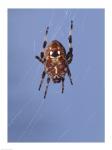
(58, 52)
(51, 52)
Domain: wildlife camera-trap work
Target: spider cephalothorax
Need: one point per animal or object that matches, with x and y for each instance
(56, 61)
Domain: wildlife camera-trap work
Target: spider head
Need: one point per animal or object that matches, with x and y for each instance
(54, 53)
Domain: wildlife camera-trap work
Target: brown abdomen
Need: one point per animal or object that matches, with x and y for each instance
(56, 67)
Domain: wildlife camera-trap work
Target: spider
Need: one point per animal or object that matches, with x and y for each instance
(56, 61)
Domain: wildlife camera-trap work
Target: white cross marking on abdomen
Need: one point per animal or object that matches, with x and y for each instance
(56, 70)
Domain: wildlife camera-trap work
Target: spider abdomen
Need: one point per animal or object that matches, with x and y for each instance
(55, 64)
(56, 69)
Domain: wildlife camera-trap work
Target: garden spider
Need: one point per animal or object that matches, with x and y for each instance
(56, 61)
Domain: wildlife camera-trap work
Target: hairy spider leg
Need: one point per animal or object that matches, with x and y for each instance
(42, 79)
(48, 80)
(63, 84)
(41, 58)
(45, 38)
(70, 52)
(69, 74)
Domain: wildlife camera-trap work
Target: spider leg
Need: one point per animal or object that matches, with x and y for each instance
(41, 58)
(69, 55)
(62, 85)
(69, 74)
(42, 79)
(48, 80)
(45, 38)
